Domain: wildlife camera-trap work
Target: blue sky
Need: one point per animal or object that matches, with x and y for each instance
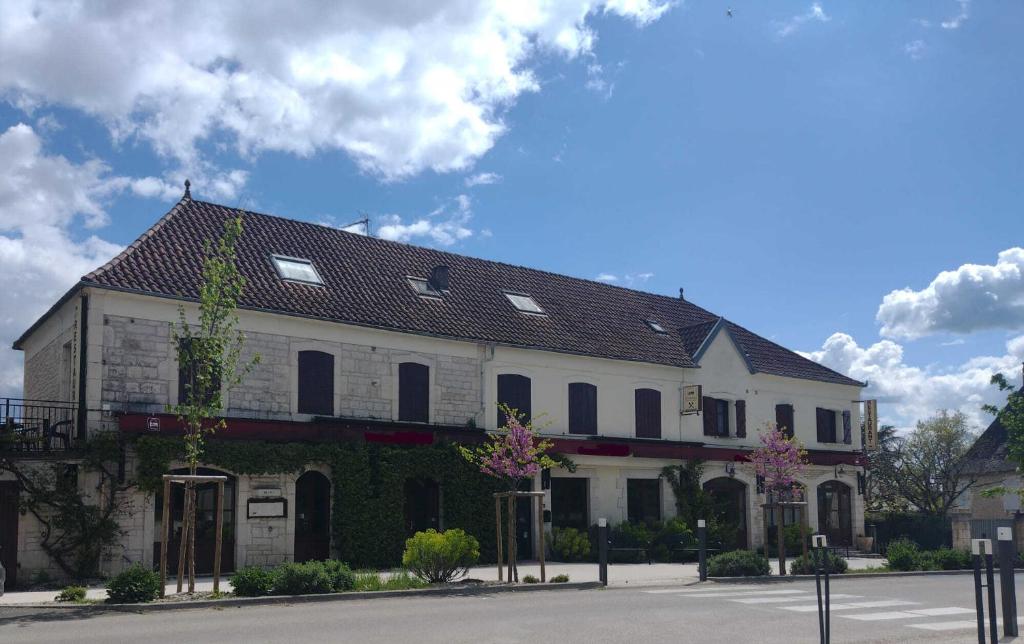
(791, 166)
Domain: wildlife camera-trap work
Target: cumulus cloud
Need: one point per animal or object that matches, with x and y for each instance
(41, 197)
(908, 393)
(916, 49)
(971, 298)
(791, 26)
(400, 87)
(629, 279)
(444, 226)
(482, 179)
(960, 18)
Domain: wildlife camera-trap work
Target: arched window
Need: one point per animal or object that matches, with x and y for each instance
(835, 514)
(729, 500)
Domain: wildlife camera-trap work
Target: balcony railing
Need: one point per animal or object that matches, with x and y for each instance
(31, 426)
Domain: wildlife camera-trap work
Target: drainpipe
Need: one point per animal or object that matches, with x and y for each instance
(488, 351)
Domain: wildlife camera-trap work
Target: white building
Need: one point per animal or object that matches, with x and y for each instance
(369, 342)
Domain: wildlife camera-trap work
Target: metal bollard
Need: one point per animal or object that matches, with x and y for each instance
(981, 550)
(602, 550)
(702, 554)
(1007, 581)
(820, 555)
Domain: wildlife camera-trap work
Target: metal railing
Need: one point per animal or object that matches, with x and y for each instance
(37, 425)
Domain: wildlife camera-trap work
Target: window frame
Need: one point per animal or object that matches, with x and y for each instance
(637, 418)
(426, 291)
(823, 430)
(276, 259)
(299, 378)
(511, 295)
(589, 386)
(656, 327)
(427, 387)
(631, 504)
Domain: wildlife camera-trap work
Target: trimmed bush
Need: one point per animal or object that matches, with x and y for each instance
(569, 544)
(805, 565)
(440, 557)
(342, 577)
(133, 586)
(530, 579)
(903, 554)
(71, 594)
(946, 559)
(560, 579)
(309, 578)
(252, 581)
(738, 563)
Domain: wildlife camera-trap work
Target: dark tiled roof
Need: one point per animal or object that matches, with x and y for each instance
(365, 283)
(990, 452)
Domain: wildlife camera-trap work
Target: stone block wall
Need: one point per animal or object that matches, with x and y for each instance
(137, 364)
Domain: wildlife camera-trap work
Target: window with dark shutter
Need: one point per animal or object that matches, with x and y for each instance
(188, 375)
(414, 392)
(582, 408)
(514, 393)
(741, 419)
(710, 416)
(722, 418)
(826, 421)
(643, 500)
(847, 427)
(316, 383)
(648, 413)
(784, 419)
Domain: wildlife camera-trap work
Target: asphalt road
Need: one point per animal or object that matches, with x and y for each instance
(905, 609)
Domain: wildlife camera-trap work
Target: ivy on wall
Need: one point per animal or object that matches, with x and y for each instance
(368, 486)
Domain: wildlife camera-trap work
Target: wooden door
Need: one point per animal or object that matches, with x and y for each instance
(312, 517)
(9, 531)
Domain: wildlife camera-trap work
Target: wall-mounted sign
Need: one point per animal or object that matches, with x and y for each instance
(267, 508)
(871, 424)
(153, 424)
(693, 397)
(267, 492)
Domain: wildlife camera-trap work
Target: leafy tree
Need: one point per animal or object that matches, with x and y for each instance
(882, 495)
(779, 461)
(209, 353)
(925, 469)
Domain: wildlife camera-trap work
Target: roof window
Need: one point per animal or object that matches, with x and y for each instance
(423, 287)
(657, 328)
(295, 269)
(524, 303)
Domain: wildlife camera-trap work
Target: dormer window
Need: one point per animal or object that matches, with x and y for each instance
(524, 303)
(657, 328)
(295, 269)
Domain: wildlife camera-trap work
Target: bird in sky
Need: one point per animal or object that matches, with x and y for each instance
(728, 12)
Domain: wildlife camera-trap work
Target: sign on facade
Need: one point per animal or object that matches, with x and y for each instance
(871, 424)
(692, 399)
(263, 509)
(153, 424)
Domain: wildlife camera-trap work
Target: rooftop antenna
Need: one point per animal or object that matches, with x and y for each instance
(364, 222)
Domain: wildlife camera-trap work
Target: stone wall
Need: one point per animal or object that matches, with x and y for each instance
(137, 364)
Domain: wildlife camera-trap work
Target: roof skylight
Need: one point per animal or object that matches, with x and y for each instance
(295, 269)
(524, 303)
(657, 328)
(423, 287)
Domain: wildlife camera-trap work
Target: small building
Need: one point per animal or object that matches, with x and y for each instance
(376, 358)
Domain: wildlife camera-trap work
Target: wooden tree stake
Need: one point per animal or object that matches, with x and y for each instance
(219, 539)
(497, 525)
(163, 536)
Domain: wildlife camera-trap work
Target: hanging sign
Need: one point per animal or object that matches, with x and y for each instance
(692, 399)
(871, 424)
(153, 424)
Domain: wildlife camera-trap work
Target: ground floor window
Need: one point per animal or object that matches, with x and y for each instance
(570, 503)
(643, 500)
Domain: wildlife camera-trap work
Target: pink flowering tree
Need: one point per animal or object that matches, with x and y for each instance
(779, 462)
(512, 455)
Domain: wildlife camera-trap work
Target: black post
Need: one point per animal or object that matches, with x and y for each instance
(828, 620)
(990, 581)
(979, 602)
(602, 551)
(702, 555)
(817, 585)
(1007, 581)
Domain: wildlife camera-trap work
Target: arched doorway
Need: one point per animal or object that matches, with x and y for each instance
(835, 516)
(729, 499)
(312, 517)
(422, 505)
(206, 523)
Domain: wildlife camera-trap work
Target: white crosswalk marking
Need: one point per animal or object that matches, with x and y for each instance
(781, 600)
(948, 610)
(874, 617)
(749, 593)
(945, 626)
(879, 603)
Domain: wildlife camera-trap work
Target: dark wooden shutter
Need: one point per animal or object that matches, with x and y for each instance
(847, 427)
(414, 392)
(514, 391)
(316, 383)
(582, 408)
(821, 421)
(784, 419)
(648, 413)
(741, 419)
(710, 416)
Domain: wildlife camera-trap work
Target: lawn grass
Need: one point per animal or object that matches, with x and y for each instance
(372, 580)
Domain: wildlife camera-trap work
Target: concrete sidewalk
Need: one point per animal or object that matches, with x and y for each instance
(618, 575)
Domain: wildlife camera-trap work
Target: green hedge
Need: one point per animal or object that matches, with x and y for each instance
(738, 563)
(368, 486)
(928, 532)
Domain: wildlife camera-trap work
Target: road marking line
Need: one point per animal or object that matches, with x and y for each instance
(949, 610)
(887, 603)
(683, 591)
(875, 617)
(779, 600)
(945, 626)
(749, 593)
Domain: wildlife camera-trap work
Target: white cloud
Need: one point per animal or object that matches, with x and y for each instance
(482, 179)
(907, 393)
(400, 87)
(971, 298)
(41, 197)
(789, 27)
(954, 342)
(444, 226)
(960, 18)
(607, 277)
(629, 279)
(915, 49)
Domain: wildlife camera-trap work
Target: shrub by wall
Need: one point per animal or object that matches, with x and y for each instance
(738, 563)
(440, 557)
(133, 586)
(928, 532)
(835, 564)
